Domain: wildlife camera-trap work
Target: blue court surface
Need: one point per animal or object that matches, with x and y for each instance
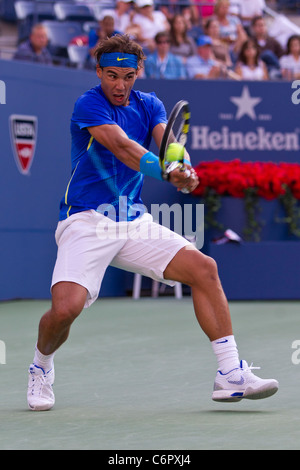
(138, 375)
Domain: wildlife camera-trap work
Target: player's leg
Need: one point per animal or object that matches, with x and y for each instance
(190, 266)
(234, 379)
(81, 262)
(68, 300)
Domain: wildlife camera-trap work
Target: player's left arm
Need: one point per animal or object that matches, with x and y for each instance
(177, 177)
(157, 135)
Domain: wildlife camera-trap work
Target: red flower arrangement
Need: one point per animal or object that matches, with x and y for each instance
(233, 178)
(250, 181)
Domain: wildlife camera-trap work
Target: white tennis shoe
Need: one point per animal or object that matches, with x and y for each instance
(242, 383)
(40, 396)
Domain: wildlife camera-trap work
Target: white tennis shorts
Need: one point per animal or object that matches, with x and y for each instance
(88, 242)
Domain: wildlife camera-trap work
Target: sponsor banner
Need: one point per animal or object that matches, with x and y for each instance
(248, 121)
(23, 133)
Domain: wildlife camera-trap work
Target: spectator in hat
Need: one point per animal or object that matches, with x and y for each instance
(146, 23)
(162, 63)
(203, 65)
(120, 14)
(35, 48)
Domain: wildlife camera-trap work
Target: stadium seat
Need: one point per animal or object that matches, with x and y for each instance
(98, 7)
(137, 283)
(78, 54)
(24, 10)
(60, 35)
(28, 13)
(89, 25)
(7, 11)
(73, 12)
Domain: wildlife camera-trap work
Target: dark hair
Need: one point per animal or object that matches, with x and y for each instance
(120, 43)
(256, 19)
(208, 23)
(291, 38)
(172, 30)
(242, 55)
(160, 35)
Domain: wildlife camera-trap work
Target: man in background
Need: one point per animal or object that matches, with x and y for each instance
(162, 63)
(203, 65)
(35, 48)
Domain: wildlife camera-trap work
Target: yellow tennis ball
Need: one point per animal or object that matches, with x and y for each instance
(175, 152)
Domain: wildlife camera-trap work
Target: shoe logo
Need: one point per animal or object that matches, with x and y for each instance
(149, 161)
(119, 60)
(237, 382)
(221, 342)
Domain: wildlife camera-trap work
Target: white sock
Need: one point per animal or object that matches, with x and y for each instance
(45, 362)
(227, 353)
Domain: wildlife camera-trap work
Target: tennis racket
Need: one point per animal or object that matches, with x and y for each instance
(176, 131)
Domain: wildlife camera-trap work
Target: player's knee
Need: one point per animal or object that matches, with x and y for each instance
(66, 312)
(211, 268)
(206, 271)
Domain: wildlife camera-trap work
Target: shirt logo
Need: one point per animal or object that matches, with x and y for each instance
(23, 134)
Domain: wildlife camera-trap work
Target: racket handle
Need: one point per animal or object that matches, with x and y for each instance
(188, 174)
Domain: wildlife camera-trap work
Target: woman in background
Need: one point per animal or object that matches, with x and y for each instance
(290, 62)
(249, 66)
(231, 29)
(181, 44)
(220, 48)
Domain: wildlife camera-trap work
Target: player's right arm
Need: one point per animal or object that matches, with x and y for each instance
(117, 142)
(130, 152)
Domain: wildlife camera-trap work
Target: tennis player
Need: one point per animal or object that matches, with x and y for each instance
(111, 127)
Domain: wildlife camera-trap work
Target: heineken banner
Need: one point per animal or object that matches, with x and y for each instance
(254, 121)
(245, 120)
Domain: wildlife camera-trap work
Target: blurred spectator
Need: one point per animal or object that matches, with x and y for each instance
(290, 62)
(203, 65)
(231, 29)
(219, 48)
(181, 44)
(162, 63)
(249, 66)
(120, 14)
(146, 23)
(248, 9)
(105, 30)
(172, 7)
(270, 49)
(35, 48)
(202, 10)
